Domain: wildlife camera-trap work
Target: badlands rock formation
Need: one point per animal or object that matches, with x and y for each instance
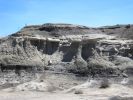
(104, 51)
(61, 57)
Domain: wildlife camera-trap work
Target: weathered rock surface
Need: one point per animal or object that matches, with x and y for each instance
(105, 51)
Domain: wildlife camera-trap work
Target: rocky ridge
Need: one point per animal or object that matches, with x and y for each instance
(67, 48)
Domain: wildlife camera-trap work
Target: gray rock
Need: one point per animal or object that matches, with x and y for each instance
(83, 50)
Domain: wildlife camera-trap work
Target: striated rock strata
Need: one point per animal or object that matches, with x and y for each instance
(104, 51)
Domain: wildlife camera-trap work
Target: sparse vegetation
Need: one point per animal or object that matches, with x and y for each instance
(78, 91)
(104, 84)
(121, 98)
(127, 26)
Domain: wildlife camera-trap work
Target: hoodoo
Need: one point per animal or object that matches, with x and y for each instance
(100, 51)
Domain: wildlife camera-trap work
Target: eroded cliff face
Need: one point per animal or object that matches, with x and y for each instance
(76, 49)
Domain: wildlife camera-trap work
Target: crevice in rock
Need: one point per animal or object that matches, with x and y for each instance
(87, 50)
(69, 52)
(51, 47)
(40, 44)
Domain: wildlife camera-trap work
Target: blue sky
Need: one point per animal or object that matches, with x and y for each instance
(14, 14)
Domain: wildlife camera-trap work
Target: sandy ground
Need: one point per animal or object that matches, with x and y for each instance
(88, 94)
(36, 96)
(63, 87)
(48, 96)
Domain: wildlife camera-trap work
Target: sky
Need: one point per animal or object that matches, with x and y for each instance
(15, 14)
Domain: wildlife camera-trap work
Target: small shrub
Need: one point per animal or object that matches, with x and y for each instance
(78, 91)
(41, 80)
(104, 83)
(121, 98)
(127, 26)
(51, 88)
